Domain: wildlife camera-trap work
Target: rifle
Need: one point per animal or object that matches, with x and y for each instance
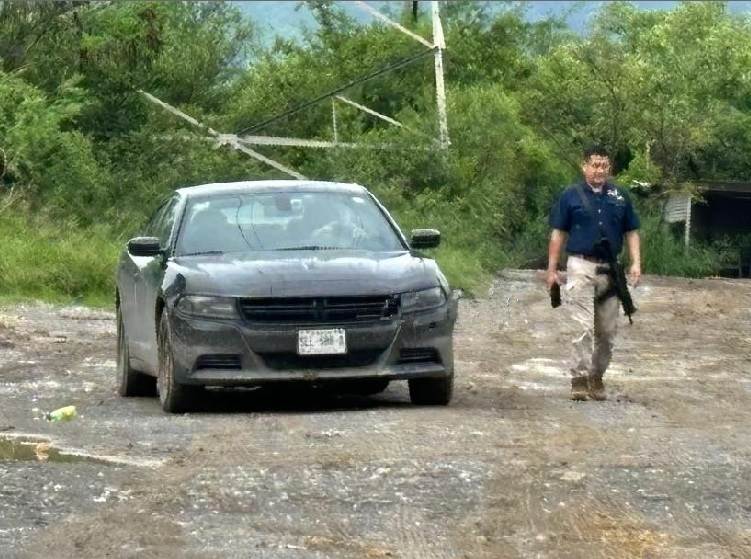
(618, 276)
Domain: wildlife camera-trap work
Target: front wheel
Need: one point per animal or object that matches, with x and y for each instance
(174, 397)
(129, 381)
(431, 391)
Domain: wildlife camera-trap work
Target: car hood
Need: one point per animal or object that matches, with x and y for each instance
(304, 273)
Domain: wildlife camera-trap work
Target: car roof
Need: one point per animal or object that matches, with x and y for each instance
(246, 187)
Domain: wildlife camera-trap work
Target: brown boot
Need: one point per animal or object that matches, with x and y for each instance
(597, 389)
(579, 389)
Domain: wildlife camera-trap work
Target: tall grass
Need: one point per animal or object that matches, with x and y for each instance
(664, 253)
(57, 262)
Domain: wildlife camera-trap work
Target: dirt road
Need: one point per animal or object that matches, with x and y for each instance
(511, 469)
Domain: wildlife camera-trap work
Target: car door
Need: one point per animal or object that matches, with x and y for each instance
(147, 283)
(129, 276)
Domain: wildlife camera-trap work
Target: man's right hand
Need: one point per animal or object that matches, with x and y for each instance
(557, 240)
(552, 278)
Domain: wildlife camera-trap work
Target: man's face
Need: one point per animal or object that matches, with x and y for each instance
(596, 170)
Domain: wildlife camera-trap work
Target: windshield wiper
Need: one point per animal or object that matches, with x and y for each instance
(201, 253)
(310, 247)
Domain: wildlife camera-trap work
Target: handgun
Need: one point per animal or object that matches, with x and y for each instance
(555, 295)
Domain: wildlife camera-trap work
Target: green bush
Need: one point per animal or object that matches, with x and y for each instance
(53, 166)
(664, 253)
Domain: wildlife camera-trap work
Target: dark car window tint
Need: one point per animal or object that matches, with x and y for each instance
(286, 221)
(150, 229)
(162, 225)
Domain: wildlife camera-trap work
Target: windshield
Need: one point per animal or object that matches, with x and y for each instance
(285, 221)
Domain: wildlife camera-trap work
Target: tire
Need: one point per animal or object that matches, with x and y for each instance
(129, 381)
(173, 397)
(431, 391)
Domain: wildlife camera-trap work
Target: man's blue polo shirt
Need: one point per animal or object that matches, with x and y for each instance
(612, 208)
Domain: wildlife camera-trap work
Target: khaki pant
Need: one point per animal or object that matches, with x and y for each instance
(597, 322)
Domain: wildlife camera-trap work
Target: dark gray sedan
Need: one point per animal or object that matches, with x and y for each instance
(247, 283)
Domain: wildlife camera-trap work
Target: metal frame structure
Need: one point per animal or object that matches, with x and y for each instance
(677, 209)
(242, 140)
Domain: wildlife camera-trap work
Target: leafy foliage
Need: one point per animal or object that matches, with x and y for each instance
(669, 92)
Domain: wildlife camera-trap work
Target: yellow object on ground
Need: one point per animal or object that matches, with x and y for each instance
(62, 414)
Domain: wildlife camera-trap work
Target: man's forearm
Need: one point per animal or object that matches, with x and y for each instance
(557, 238)
(634, 248)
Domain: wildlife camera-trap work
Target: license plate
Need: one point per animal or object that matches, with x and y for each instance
(321, 342)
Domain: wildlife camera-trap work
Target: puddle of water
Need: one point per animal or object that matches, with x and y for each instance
(38, 450)
(35, 448)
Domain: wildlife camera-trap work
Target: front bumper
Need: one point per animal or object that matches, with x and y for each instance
(413, 345)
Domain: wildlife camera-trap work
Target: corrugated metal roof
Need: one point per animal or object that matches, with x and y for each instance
(726, 186)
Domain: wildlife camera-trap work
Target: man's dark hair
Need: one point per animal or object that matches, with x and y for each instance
(596, 149)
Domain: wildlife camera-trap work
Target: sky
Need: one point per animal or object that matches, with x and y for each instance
(288, 18)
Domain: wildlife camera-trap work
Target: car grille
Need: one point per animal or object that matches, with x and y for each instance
(410, 355)
(218, 361)
(319, 310)
(286, 361)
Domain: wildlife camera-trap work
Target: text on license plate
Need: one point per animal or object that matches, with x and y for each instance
(321, 342)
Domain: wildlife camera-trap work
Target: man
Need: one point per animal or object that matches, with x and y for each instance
(584, 213)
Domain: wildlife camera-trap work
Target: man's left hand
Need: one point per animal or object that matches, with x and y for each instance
(634, 274)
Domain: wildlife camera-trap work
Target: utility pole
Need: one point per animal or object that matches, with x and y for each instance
(440, 88)
(242, 140)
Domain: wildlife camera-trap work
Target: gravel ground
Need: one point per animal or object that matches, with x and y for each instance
(511, 469)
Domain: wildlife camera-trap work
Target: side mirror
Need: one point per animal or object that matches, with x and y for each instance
(425, 238)
(144, 246)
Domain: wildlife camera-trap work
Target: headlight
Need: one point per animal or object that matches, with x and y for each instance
(207, 307)
(423, 300)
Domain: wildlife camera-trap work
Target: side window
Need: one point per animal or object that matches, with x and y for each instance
(150, 230)
(165, 221)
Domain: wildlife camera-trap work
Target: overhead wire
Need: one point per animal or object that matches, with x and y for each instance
(393, 66)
